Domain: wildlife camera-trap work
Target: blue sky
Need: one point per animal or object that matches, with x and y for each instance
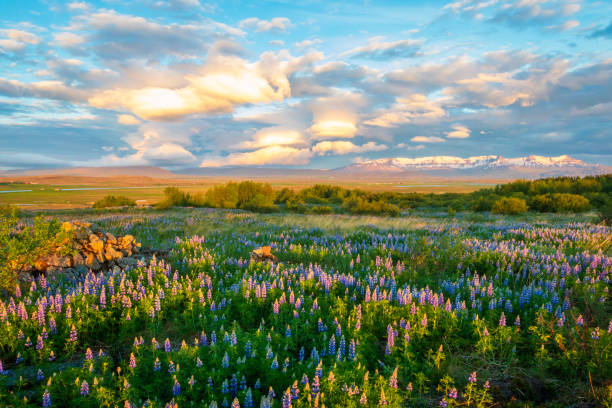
(322, 84)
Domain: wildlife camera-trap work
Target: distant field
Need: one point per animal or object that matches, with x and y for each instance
(79, 192)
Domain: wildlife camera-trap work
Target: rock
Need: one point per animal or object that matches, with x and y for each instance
(91, 262)
(96, 244)
(110, 238)
(111, 253)
(116, 269)
(82, 234)
(263, 254)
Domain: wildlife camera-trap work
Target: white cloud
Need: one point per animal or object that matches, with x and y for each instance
(223, 83)
(16, 40)
(275, 24)
(408, 109)
(68, 39)
(380, 50)
(273, 136)
(341, 147)
(459, 132)
(127, 120)
(271, 155)
(428, 139)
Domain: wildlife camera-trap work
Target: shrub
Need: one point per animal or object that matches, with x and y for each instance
(509, 205)
(21, 245)
(559, 202)
(114, 201)
(322, 209)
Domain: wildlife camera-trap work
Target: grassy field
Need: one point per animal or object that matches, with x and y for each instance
(423, 310)
(81, 192)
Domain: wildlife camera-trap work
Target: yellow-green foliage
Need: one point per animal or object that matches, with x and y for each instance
(22, 245)
(114, 201)
(510, 206)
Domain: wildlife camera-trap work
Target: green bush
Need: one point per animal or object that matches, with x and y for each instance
(509, 206)
(21, 245)
(114, 201)
(559, 202)
(322, 209)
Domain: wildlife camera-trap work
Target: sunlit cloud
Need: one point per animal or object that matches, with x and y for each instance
(459, 132)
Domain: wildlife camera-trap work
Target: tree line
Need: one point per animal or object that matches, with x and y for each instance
(556, 195)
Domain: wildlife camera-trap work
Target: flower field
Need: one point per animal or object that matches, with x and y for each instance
(443, 313)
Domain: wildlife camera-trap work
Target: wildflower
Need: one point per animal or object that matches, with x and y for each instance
(88, 354)
(132, 361)
(40, 375)
(73, 334)
(364, 399)
(393, 379)
(176, 388)
(46, 401)
(452, 393)
(472, 378)
(156, 364)
(502, 320)
(84, 388)
(167, 345)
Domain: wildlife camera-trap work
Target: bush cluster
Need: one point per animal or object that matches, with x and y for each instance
(114, 201)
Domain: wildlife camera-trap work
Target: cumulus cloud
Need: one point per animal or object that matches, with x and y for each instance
(459, 132)
(333, 128)
(273, 136)
(275, 24)
(271, 155)
(428, 139)
(41, 89)
(68, 39)
(16, 40)
(341, 147)
(380, 50)
(337, 115)
(222, 84)
(406, 110)
(127, 120)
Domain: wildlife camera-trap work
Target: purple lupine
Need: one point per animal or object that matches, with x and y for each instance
(46, 400)
(84, 388)
(452, 393)
(132, 361)
(156, 364)
(73, 334)
(364, 399)
(40, 375)
(393, 379)
(472, 378)
(88, 354)
(502, 320)
(167, 345)
(39, 343)
(286, 401)
(176, 388)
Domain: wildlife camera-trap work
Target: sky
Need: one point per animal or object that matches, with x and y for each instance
(301, 84)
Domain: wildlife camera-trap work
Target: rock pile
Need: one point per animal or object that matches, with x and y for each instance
(87, 249)
(263, 254)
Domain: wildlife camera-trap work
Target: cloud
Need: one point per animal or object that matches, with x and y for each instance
(308, 43)
(16, 40)
(602, 32)
(222, 84)
(68, 39)
(378, 50)
(406, 110)
(271, 155)
(273, 136)
(429, 139)
(333, 128)
(76, 5)
(341, 147)
(127, 120)
(42, 89)
(458, 132)
(276, 24)
(567, 25)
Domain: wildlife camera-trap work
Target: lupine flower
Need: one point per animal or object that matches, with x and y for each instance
(167, 345)
(452, 393)
(46, 400)
(73, 334)
(88, 354)
(176, 388)
(393, 379)
(132, 361)
(472, 378)
(156, 364)
(84, 388)
(40, 375)
(502, 320)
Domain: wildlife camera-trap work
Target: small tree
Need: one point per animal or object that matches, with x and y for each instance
(509, 205)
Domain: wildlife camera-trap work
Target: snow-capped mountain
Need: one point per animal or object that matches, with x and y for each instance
(492, 165)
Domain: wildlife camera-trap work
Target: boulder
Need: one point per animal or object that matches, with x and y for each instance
(96, 244)
(263, 254)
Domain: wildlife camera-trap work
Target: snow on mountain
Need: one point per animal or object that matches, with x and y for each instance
(454, 162)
